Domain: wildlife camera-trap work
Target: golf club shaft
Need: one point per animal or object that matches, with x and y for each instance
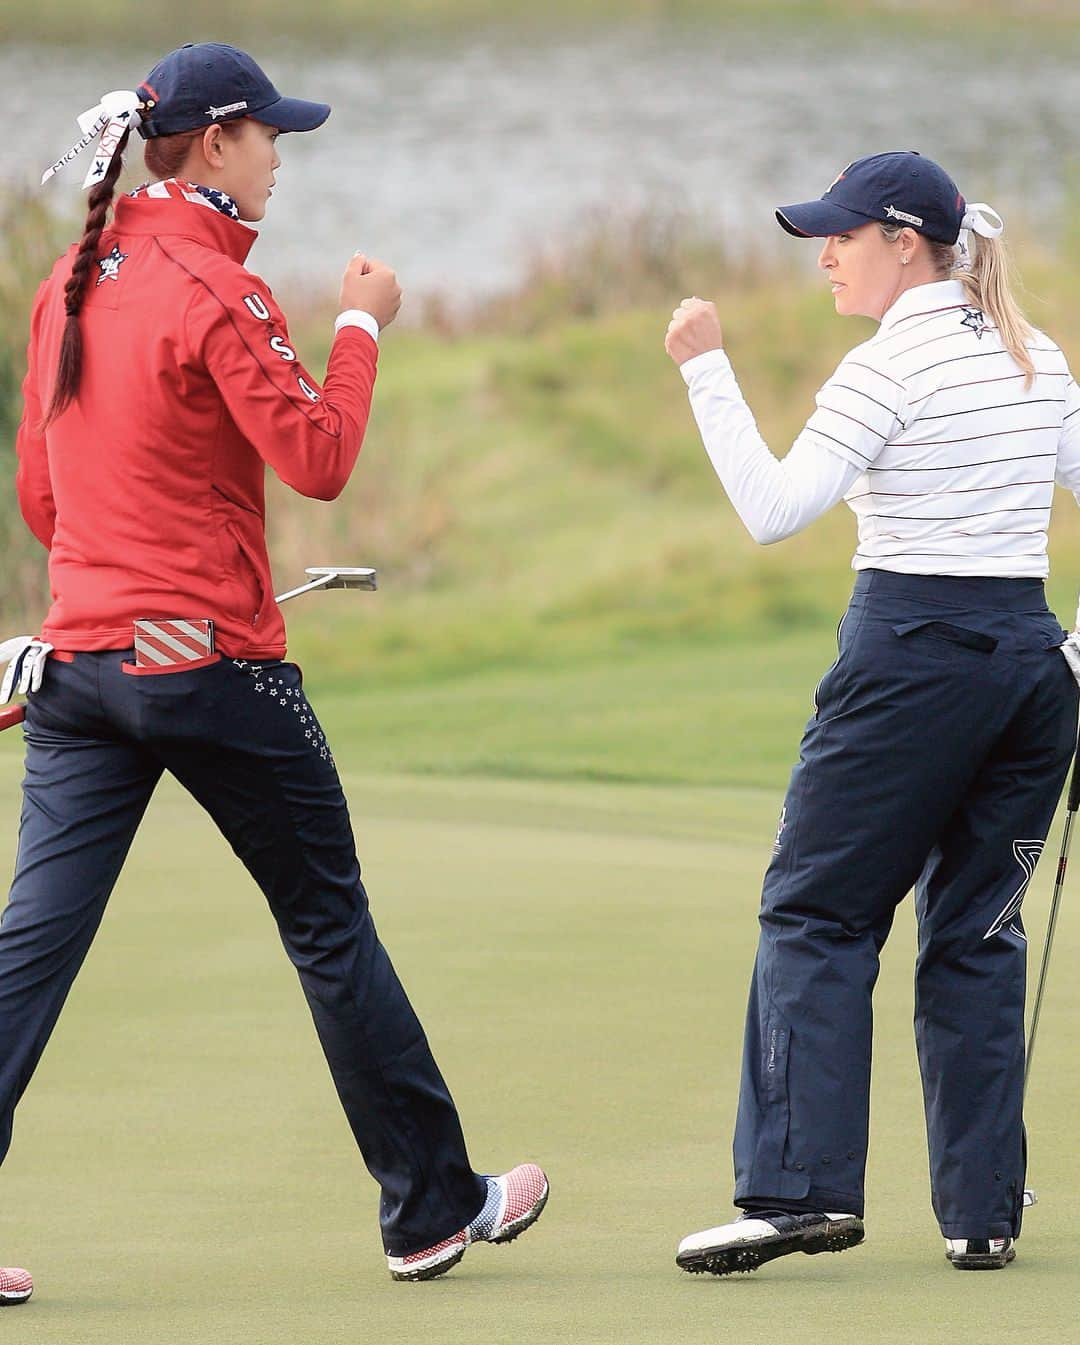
(309, 587)
(1072, 804)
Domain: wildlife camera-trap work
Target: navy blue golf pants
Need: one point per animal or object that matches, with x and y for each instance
(243, 740)
(935, 758)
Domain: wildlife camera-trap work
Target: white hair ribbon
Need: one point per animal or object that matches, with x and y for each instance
(110, 118)
(982, 219)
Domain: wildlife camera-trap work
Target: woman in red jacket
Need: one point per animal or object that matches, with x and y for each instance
(161, 380)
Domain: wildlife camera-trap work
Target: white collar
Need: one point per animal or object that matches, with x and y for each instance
(931, 298)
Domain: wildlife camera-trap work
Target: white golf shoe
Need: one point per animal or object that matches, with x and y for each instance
(980, 1253)
(762, 1235)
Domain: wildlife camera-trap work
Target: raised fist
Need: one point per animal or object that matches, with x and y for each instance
(694, 328)
(371, 286)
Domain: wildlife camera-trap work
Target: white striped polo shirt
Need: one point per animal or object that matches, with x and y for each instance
(957, 458)
(952, 460)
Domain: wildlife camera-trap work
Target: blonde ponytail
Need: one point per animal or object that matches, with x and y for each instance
(987, 285)
(987, 280)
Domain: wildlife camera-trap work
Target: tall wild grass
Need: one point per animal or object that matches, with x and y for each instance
(30, 239)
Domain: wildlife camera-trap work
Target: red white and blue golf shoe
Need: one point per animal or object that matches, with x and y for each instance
(16, 1286)
(514, 1202)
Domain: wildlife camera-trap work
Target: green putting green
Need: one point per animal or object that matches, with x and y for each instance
(579, 953)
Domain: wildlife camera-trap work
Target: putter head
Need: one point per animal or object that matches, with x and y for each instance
(344, 576)
(1030, 1198)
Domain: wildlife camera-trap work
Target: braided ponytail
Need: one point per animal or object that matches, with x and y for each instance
(69, 365)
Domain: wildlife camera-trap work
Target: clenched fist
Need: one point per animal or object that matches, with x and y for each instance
(372, 287)
(694, 328)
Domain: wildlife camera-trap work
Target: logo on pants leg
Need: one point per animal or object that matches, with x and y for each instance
(780, 829)
(1026, 854)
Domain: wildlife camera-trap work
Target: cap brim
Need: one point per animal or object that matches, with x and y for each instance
(818, 219)
(292, 114)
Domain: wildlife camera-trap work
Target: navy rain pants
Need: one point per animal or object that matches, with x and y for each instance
(243, 740)
(935, 758)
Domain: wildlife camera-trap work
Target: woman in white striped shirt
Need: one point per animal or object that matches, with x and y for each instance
(941, 735)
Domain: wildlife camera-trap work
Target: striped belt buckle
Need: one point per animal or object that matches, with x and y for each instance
(163, 642)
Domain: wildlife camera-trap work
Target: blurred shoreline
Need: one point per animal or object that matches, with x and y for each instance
(459, 160)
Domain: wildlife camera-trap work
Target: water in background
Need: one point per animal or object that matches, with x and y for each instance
(455, 165)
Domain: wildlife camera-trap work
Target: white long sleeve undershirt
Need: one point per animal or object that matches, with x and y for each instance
(773, 497)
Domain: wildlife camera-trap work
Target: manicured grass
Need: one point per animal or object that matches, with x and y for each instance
(579, 954)
(687, 714)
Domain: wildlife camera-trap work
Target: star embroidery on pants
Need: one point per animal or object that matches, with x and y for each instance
(974, 318)
(110, 264)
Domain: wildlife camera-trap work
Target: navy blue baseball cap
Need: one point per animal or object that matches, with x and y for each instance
(205, 82)
(901, 187)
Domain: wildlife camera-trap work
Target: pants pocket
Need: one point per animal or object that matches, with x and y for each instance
(820, 695)
(170, 669)
(777, 1174)
(938, 637)
(774, 1062)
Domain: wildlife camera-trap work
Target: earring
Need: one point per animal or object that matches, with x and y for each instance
(904, 261)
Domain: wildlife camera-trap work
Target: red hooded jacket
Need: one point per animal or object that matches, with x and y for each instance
(148, 490)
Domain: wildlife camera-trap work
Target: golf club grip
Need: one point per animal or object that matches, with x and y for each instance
(1074, 782)
(14, 714)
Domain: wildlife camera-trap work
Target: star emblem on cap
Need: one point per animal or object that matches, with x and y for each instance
(976, 320)
(916, 221)
(110, 264)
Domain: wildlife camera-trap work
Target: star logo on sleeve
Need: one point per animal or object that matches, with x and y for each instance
(110, 264)
(974, 318)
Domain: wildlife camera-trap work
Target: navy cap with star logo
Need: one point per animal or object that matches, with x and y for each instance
(206, 82)
(901, 187)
